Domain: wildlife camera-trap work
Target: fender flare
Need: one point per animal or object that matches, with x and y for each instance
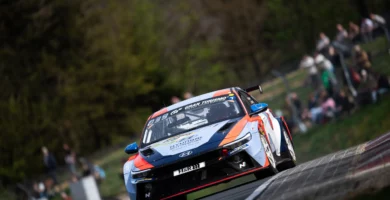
(283, 124)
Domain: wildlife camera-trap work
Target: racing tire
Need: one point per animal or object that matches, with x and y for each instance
(271, 170)
(292, 162)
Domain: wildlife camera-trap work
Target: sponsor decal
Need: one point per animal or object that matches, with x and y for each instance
(237, 149)
(184, 154)
(242, 165)
(192, 140)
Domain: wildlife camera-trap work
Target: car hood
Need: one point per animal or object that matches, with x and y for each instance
(188, 144)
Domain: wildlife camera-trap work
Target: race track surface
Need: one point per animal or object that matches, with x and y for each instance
(340, 175)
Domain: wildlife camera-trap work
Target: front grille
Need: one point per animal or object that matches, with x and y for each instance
(166, 184)
(167, 171)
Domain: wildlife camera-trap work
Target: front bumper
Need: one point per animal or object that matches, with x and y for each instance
(162, 184)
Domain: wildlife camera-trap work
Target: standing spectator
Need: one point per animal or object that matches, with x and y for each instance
(341, 33)
(361, 58)
(323, 42)
(367, 27)
(70, 159)
(366, 89)
(378, 20)
(333, 57)
(87, 167)
(50, 164)
(328, 76)
(354, 31)
(309, 64)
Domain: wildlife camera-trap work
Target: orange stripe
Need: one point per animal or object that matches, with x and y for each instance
(132, 157)
(141, 163)
(288, 130)
(270, 121)
(221, 92)
(160, 112)
(236, 130)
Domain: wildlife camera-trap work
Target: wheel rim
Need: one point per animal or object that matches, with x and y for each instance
(289, 145)
(268, 152)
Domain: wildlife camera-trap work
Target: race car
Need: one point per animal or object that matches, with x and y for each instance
(206, 140)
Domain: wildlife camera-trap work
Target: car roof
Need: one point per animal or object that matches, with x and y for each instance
(193, 100)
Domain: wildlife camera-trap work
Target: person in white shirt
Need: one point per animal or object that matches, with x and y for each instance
(367, 27)
(309, 64)
(378, 20)
(323, 42)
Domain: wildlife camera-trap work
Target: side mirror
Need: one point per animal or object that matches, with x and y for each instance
(259, 107)
(131, 148)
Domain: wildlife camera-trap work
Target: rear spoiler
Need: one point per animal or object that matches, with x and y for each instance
(253, 88)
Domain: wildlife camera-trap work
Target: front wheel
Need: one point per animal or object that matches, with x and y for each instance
(271, 170)
(290, 152)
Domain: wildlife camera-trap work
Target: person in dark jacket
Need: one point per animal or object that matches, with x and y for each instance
(50, 163)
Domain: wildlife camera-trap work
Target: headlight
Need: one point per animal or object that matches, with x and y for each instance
(141, 174)
(238, 142)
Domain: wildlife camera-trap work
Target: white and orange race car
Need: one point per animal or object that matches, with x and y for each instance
(206, 140)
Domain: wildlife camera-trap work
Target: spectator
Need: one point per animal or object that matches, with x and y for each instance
(328, 105)
(341, 33)
(323, 42)
(175, 99)
(309, 64)
(383, 84)
(39, 191)
(70, 158)
(314, 109)
(378, 20)
(366, 89)
(50, 164)
(327, 73)
(367, 27)
(361, 58)
(354, 31)
(343, 105)
(333, 57)
(297, 103)
(99, 173)
(87, 167)
(74, 179)
(187, 95)
(65, 196)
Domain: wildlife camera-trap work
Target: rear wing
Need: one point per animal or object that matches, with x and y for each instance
(253, 88)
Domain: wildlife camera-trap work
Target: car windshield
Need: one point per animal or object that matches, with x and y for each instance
(191, 116)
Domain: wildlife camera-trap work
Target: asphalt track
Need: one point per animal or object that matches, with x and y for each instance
(340, 175)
